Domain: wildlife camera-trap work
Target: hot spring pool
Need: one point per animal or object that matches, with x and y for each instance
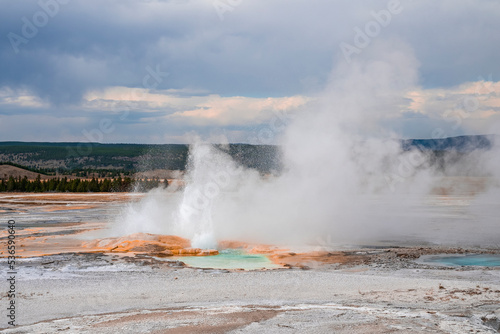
(229, 259)
(485, 260)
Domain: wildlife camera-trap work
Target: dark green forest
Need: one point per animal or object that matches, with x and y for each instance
(117, 184)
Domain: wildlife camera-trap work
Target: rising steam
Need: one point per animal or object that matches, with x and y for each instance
(346, 180)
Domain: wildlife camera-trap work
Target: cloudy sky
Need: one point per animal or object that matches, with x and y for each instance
(156, 71)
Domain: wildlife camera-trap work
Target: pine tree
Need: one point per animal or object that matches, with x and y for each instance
(37, 186)
(11, 184)
(23, 184)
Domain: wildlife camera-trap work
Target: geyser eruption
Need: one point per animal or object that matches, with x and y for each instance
(345, 180)
(209, 172)
(188, 213)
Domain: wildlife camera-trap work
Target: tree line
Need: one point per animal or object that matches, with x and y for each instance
(117, 184)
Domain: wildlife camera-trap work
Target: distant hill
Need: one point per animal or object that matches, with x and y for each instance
(459, 144)
(67, 156)
(7, 170)
(126, 157)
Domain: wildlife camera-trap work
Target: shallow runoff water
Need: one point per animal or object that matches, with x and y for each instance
(485, 260)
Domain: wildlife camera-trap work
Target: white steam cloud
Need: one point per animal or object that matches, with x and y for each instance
(339, 185)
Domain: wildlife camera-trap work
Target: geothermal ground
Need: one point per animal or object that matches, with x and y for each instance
(72, 280)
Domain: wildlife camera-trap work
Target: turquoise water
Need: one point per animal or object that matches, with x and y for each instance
(229, 259)
(486, 260)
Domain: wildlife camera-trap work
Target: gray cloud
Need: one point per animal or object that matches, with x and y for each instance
(259, 49)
